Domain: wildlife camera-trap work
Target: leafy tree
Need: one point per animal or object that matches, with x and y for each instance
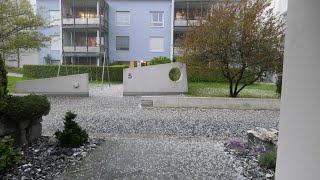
(237, 36)
(19, 27)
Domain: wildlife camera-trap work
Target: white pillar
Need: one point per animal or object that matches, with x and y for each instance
(98, 37)
(98, 61)
(98, 8)
(299, 138)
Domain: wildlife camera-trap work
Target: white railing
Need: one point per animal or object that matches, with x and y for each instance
(71, 21)
(81, 49)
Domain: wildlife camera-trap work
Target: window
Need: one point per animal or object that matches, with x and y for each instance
(122, 43)
(156, 19)
(122, 18)
(156, 44)
(55, 18)
(56, 42)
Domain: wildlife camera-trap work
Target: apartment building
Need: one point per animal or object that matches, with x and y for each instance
(84, 31)
(187, 13)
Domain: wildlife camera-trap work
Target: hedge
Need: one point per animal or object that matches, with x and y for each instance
(198, 74)
(95, 72)
(195, 74)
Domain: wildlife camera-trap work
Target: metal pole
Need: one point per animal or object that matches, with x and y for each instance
(108, 71)
(104, 60)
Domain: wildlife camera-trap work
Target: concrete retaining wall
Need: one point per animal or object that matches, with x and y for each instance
(210, 103)
(73, 85)
(23, 131)
(154, 80)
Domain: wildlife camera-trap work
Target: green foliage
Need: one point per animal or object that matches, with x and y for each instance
(236, 37)
(14, 109)
(268, 160)
(175, 74)
(73, 136)
(9, 156)
(19, 26)
(95, 72)
(3, 79)
(279, 84)
(159, 60)
(198, 74)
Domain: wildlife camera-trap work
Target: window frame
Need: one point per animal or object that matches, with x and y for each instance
(155, 22)
(117, 22)
(119, 49)
(163, 44)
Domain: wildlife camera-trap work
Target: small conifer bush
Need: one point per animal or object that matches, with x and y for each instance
(268, 160)
(72, 136)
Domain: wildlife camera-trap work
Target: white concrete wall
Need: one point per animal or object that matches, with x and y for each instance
(152, 80)
(299, 145)
(210, 103)
(58, 86)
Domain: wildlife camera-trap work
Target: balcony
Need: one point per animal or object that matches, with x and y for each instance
(83, 49)
(93, 20)
(191, 13)
(84, 12)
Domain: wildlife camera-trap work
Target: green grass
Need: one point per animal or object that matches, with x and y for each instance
(260, 90)
(14, 70)
(13, 80)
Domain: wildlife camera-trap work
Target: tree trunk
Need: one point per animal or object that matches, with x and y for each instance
(18, 56)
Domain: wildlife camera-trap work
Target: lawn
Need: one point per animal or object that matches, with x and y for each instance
(259, 90)
(13, 80)
(14, 70)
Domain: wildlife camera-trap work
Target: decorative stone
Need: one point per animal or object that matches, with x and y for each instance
(34, 132)
(261, 139)
(53, 141)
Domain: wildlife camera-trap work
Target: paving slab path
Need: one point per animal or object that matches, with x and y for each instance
(155, 158)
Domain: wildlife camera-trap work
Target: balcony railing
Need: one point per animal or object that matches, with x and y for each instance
(83, 20)
(83, 49)
(181, 22)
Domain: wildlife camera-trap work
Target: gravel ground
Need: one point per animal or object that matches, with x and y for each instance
(40, 161)
(106, 111)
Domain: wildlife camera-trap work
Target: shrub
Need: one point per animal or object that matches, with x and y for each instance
(9, 156)
(199, 74)
(279, 84)
(95, 72)
(23, 108)
(159, 60)
(73, 136)
(268, 160)
(3, 79)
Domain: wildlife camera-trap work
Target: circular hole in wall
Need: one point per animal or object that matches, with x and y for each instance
(174, 74)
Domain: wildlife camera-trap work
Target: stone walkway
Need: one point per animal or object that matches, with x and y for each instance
(155, 158)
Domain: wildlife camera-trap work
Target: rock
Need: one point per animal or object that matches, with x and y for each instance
(84, 154)
(262, 140)
(53, 141)
(269, 176)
